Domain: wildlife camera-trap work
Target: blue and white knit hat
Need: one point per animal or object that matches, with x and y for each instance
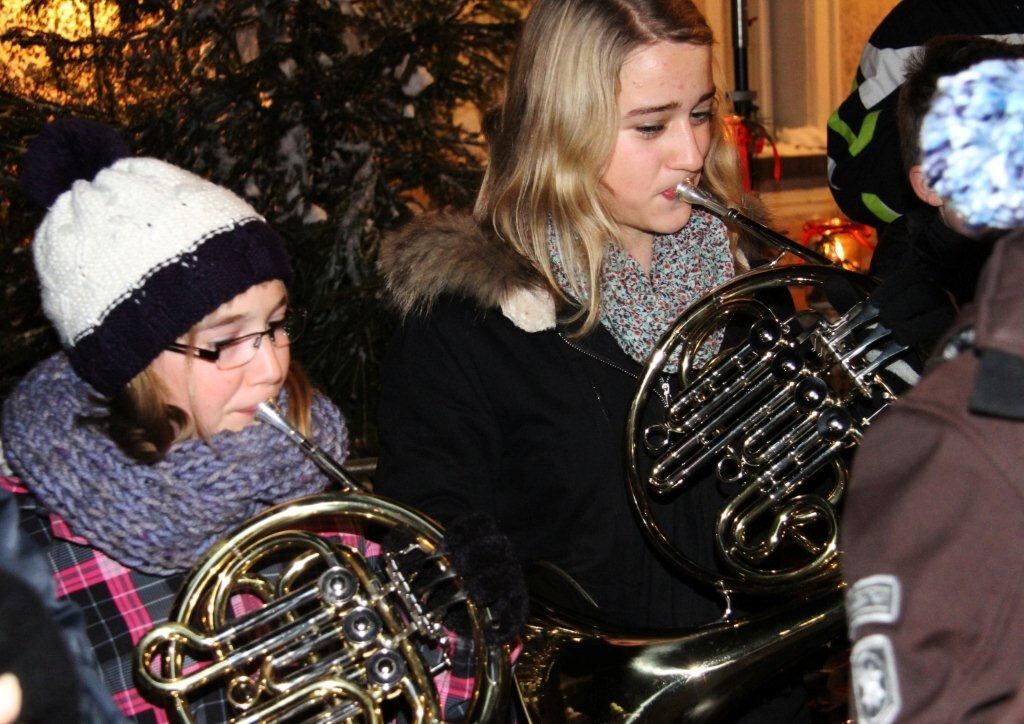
(133, 252)
(972, 140)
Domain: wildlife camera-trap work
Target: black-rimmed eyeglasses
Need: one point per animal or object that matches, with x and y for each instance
(239, 351)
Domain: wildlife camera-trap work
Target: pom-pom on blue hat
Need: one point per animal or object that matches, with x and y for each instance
(133, 252)
(972, 143)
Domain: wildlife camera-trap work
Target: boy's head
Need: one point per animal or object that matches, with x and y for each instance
(940, 57)
(971, 150)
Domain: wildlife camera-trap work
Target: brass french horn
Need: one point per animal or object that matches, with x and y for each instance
(775, 418)
(335, 635)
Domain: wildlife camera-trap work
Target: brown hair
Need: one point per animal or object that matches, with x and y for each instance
(942, 56)
(555, 129)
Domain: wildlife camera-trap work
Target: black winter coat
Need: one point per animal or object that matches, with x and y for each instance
(489, 404)
(529, 427)
(920, 245)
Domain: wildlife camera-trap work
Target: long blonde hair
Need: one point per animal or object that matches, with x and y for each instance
(555, 130)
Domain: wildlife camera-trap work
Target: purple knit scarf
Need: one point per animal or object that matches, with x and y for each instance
(154, 518)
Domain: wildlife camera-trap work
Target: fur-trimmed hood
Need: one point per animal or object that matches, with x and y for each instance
(451, 254)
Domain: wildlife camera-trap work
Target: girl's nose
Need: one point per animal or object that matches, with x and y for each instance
(270, 365)
(686, 153)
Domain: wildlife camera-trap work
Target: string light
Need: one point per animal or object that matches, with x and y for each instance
(27, 67)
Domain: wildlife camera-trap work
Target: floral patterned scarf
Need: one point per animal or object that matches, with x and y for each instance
(638, 308)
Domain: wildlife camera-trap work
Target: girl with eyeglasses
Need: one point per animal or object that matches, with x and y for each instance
(135, 447)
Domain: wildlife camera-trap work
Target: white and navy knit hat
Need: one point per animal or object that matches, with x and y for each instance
(133, 252)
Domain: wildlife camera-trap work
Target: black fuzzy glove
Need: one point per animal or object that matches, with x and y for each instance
(914, 308)
(485, 560)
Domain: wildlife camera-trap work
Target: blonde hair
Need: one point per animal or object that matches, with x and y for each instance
(555, 130)
(145, 427)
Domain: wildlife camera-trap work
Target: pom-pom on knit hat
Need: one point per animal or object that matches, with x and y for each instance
(133, 252)
(972, 143)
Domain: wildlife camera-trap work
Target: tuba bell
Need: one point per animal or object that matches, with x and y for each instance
(331, 629)
(773, 420)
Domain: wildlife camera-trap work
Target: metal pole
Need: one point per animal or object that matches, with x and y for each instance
(742, 97)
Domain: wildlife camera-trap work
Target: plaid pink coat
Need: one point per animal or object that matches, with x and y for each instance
(120, 605)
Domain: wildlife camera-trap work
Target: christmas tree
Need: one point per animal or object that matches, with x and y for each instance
(337, 120)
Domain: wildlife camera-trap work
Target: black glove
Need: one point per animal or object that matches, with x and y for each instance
(491, 576)
(485, 560)
(914, 308)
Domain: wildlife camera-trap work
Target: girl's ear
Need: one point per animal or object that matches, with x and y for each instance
(921, 187)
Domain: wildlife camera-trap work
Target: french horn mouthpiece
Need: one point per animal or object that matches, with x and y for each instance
(699, 197)
(269, 413)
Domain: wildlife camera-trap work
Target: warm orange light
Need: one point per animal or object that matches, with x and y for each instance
(838, 250)
(27, 68)
(845, 242)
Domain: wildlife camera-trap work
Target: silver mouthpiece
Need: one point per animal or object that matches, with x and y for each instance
(699, 197)
(269, 413)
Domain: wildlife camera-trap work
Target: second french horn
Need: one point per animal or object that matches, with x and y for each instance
(774, 418)
(333, 627)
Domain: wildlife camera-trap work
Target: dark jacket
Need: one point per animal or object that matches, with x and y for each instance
(934, 525)
(43, 639)
(920, 245)
(478, 413)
